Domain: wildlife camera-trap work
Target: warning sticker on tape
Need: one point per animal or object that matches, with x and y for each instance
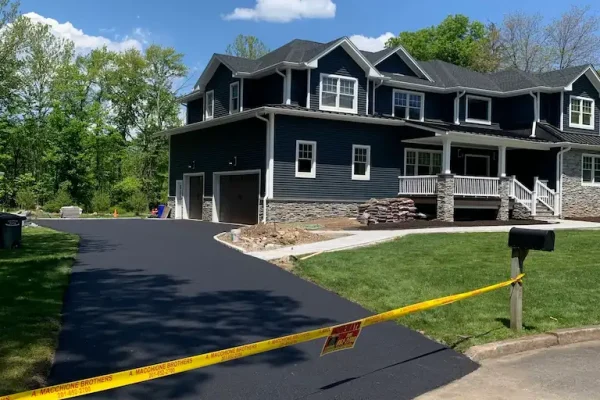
(342, 337)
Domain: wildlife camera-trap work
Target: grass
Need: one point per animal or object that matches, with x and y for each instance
(561, 289)
(33, 280)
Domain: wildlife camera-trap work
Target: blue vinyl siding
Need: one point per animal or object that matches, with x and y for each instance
(582, 88)
(298, 95)
(266, 90)
(220, 84)
(338, 62)
(395, 65)
(550, 108)
(514, 112)
(211, 150)
(195, 111)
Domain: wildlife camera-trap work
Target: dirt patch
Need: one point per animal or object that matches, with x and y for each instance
(419, 224)
(272, 236)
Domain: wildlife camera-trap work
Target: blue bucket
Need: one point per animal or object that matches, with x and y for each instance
(161, 208)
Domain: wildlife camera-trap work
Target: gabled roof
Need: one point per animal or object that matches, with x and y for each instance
(378, 57)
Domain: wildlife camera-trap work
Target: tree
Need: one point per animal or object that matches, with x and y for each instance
(456, 40)
(247, 47)
(524, 42)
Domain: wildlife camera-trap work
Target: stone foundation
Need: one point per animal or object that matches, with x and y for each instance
(207, 209)
(504, 192)
(579, 200)
(445, 198)
(171, 204)
(299, 211)
(520, 211)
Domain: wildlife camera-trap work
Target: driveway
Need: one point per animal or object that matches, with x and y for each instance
(146, 291)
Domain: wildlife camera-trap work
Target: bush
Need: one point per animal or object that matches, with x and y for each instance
(138, 203)
(25, 199)
(100, 202)
(124, 190)
(61, 199)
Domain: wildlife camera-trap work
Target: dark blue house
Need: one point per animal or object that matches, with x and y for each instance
(314, 129)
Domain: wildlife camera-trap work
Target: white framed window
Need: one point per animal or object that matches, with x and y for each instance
(361, 162)
(306, 159)
(418, 162)
(209, 105)
(478, 110)
(590, 169)
(338, 93)
(234, 98)
(581, 113)
(409, 105)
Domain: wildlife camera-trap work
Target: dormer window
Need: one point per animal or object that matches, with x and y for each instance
(409, 105)
(209, 105)
(234, 98)
(582, 113)
(479, 110)
(338, 93)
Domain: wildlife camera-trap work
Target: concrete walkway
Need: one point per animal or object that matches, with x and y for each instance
(563, 372)
(367, 238)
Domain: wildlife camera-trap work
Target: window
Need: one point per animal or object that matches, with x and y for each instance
(422, 162)
(408, 105)
(209, 107)
(306, 159)
(590, 169)
(234, 98)
(582, 113)
(361, 162)
(338, 93)
(479, 110)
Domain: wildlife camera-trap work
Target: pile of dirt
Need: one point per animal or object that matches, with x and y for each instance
(272, 236)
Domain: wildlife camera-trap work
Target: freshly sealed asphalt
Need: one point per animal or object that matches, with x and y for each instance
(145, 291)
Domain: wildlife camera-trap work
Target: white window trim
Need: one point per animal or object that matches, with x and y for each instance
(338, 108)
(592, 183)
(474, 120)
(313, 172)
(422, 113)
(231, 86)
(417, 151)
(210, 93)
(593, 119)
(367, 175)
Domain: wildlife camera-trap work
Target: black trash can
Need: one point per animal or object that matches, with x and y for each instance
(11, 226)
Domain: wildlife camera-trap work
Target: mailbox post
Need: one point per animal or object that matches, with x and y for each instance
(521, 241)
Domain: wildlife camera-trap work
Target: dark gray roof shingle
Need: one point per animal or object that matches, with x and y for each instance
(577, 138)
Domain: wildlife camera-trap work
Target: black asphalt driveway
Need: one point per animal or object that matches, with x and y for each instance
(146, 291)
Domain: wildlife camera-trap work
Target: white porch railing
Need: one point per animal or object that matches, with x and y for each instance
(545, 195)
(418, 185)
(476, 186)
(520, 193)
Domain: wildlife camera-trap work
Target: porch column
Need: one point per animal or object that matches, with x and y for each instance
(447, 146)
(504, 192)
(502, 161)
(445, 197)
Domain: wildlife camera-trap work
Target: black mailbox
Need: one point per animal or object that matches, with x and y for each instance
(531, 239)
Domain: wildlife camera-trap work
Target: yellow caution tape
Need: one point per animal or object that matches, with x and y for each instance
(137, 375)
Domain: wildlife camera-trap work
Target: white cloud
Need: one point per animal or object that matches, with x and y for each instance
(371, 43)
(284, 10)
(83, 42)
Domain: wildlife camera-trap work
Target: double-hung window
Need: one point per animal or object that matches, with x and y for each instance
(209, 105)
(590, 169)
(582, 113)
(409, 105)
(234, 98)
(306, 159)
(422, 162)
(361, 162)
(338, 93)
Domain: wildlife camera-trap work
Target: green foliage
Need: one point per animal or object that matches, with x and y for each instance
(456, 40)
(247, 47)
(138, 203)
(101, 202)
(123, 190)
(25, 199)
(62, 198)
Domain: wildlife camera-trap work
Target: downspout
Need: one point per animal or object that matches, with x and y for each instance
(457, 106)
(283, 101)
(267, 169)
(375, 86)
(559, 177)
(536, 116)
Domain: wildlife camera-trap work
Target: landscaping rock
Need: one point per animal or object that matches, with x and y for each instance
(377, 211)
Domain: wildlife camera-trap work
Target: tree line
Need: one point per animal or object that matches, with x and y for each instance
(80, 129)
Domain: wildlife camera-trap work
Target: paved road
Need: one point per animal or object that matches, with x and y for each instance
(558, 373)
(146, 291)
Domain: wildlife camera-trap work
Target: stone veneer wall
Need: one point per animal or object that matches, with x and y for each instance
(520, 211)
(207, 209)
(504, 192)
(578, 200)
(299, 211)
(171, 204)
(445, 198)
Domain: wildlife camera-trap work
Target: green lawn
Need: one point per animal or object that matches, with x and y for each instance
(33, 280)
(561, 289)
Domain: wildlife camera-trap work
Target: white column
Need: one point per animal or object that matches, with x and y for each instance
(288, 86)
(241, 94)
(502, 161)
(447, 146)
(308, 89)
(367, 95)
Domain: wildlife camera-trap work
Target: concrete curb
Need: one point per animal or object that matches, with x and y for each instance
(233, 246)
(534, 342)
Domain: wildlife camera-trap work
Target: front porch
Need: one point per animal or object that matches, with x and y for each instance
(464, 175)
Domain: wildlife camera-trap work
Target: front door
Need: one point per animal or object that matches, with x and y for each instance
(196, 197)
(477, 165)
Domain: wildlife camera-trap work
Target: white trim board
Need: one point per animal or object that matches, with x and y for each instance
(339, 94)
(487, 121)
(217, 188)
(185, 208)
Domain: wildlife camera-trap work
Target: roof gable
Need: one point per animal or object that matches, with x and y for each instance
(406, 58)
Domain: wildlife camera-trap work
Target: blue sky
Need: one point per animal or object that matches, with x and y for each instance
(199, 28)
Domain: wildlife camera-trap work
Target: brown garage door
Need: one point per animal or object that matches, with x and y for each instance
(196, 197)
(238, 199)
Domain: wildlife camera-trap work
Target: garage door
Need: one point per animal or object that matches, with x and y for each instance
(196, 197)
(238, 199)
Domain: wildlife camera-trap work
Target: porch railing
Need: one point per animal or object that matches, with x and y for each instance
(418, 185)
(476, 186)
(545, 195)
(520, 193)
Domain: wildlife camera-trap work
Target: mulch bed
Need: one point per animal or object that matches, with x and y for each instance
(585, 219)
(419, 224)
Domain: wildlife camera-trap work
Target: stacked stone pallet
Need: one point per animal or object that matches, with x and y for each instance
(378, 211)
